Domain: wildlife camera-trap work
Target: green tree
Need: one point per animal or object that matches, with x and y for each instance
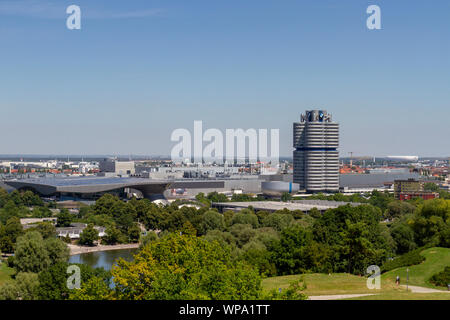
(315, 213)
(64, 218)
(4, 197)
(403, 236)
(94, 288)
(430, 186)
(88, 235)
(9, 210)
(134, 233)
(189, 229)
(200, 197)
(286, 196)
(431, 224)
(31, 254)
(245, 216)
(381, 199)
(29, 199)
(184, 267)
(212, 220)
(293, 292)
(53, 281)
(357, 248)
(292, 253)
(113, 235)
(57, 250)
(149, 237)
(224, 238)
(46, 229)
(278, 221)
(396, 209)
(228, 217)
(242, 233)
(24, 287)
(217, 197)
(41, 212)
(9, 234)
(256, 254)
(442, 278)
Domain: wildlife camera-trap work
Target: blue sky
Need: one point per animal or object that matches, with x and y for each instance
(139, 69)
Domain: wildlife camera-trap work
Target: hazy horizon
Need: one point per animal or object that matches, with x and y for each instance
(138, 70)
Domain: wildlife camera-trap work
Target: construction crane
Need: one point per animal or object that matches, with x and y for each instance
(351, 159)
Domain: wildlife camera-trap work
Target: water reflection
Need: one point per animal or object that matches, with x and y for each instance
(103, 259)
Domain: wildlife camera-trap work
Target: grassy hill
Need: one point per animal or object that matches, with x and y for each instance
(5, 272)
(321, 284)
(340, 283)
(436, 259)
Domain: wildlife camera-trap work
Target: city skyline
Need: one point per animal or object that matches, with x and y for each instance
(137, 71)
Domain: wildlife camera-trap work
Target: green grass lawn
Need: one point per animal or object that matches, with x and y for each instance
(436, 259)
(5, 272)
(341, 283)
(321, 284)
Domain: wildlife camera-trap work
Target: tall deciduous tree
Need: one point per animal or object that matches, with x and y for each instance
(31, 254)
(185, 267)
(9, 234)
(89, 235)
(24, 287)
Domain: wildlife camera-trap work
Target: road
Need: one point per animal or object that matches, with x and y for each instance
(340, 296)
(417, 289)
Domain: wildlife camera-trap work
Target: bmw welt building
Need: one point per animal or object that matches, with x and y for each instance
(316, 158)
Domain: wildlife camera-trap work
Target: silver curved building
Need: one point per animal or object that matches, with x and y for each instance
(316, 158)
(277, 188)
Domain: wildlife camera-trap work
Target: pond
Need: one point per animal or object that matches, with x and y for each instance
(103, 259)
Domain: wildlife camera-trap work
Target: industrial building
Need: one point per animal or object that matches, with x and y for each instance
(410, 189)
(316, 158)
(271, 206)
(120, 168)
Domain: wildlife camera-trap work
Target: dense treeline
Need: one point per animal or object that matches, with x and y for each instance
(250, 244)
(345, 239)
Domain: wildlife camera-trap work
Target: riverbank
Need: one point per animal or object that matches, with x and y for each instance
(75, 249)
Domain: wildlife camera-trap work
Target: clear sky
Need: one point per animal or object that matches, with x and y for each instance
(138, 69)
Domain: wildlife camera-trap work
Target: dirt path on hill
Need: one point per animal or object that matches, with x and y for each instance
(340, 296)
(416, 289)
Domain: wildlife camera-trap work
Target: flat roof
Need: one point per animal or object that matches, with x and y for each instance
(85, 181)
(303, 205)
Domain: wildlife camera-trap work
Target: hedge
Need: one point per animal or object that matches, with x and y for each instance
(441, 279)
(408, 259)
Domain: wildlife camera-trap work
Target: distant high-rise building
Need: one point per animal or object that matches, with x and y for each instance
(316, 158)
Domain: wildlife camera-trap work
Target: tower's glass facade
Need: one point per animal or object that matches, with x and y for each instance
(316, 158)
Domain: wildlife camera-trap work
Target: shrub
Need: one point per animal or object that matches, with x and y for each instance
(441, 279)
(408, 259)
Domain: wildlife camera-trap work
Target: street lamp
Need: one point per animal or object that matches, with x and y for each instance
(407, 278)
